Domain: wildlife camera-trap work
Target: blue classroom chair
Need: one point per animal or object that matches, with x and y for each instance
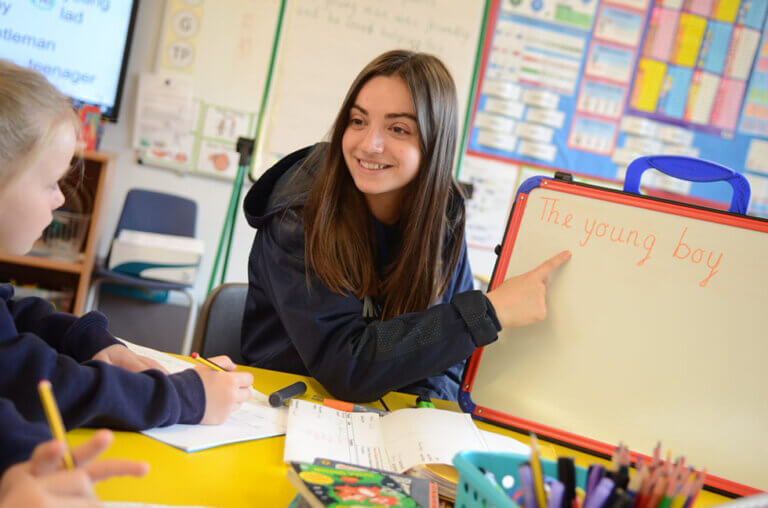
(152, 212)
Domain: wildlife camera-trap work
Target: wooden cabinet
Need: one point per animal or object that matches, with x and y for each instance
(85, 189)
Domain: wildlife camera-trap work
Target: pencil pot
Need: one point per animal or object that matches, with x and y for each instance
(477, 489)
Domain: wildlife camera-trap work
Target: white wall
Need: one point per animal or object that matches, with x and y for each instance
(212, 196)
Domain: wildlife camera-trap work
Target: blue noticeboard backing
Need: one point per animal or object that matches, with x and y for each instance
(564, 85)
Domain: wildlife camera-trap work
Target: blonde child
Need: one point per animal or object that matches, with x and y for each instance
(97, 380)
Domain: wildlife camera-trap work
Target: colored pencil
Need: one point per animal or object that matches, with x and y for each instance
(54, 419)
(208, 363)
(538, 473)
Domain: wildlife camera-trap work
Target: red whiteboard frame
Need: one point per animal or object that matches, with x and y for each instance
(714, 483)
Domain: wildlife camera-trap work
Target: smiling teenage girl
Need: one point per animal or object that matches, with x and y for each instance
(359, 273)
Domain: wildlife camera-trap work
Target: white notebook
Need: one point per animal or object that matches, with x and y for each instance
(255, 419)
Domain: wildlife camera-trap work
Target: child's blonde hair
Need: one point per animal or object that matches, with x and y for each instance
(31, 111)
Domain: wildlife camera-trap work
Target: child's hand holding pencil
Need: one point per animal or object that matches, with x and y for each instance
(225, 389)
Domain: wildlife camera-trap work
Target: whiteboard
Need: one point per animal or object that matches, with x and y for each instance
(643, 341)
(325, 44)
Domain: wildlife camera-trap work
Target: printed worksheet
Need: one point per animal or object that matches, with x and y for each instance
(316, 431)
(395, 442)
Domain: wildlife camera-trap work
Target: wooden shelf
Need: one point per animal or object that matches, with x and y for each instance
(58, 265)
(103, 157)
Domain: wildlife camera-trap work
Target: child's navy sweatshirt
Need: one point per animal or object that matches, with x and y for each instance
(37, 342)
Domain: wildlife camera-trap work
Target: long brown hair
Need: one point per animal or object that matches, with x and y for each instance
(340, 243)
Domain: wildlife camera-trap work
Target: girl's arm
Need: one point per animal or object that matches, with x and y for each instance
(95, 393)
(81, 338)
(353, 358)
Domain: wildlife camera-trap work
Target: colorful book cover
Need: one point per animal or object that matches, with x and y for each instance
(331, 484)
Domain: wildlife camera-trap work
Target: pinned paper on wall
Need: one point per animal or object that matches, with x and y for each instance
(164, 116)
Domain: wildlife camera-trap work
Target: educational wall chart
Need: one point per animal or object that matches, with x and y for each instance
(225, 48)
(587, 86)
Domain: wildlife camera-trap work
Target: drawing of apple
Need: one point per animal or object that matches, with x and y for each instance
(220, 161)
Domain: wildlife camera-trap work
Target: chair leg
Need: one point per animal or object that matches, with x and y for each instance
(186, 344)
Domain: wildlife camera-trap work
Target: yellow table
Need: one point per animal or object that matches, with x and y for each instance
(251, 473)
(237, 475)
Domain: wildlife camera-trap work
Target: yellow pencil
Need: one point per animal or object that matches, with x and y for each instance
(207, 362)
(54, 419)
(538, 473)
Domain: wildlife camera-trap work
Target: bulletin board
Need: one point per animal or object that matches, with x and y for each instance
(587, 86)
(674, 351)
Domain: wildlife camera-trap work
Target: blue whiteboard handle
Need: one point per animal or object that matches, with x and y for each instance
(693, 170)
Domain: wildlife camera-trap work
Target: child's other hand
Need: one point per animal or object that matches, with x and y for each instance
(47, 458)
(71, 489)
(521, 300)
(41, 481)
(224, 391)
(121, 356)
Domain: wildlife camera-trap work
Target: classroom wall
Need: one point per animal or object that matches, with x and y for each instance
(211, 195)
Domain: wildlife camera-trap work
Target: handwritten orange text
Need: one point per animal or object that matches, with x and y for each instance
(596, 229)
(685, 251)
(556, 213)
(550, 213)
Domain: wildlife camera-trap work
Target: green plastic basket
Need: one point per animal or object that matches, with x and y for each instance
(475, 490)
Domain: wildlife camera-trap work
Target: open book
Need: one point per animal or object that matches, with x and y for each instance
(255, 419)
(397, 442)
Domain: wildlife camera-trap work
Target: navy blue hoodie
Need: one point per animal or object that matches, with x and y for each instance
(36, 343)
(18, 437)
(290, 327)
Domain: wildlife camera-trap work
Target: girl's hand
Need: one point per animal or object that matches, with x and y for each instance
(121, 356)
(521, 300)
(224, 391)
